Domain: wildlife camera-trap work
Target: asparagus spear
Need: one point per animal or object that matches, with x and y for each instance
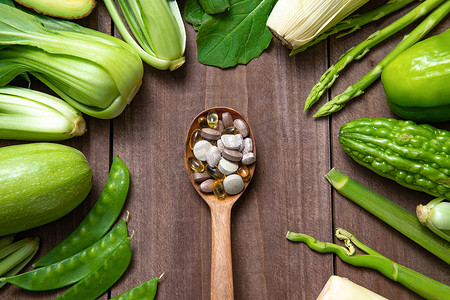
(328, 78)
(354, 22)
(416, 282)
(358, 88)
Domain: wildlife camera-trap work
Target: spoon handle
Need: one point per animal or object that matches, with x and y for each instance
(221, 266)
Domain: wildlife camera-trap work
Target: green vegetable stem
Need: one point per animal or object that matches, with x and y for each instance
(416, 282)
(356, 21)
(436, 216)
(74, 268)
(36, 116)
(157, 30)
(94, 72)
(389, 212)
(358, 51)
(99, 219)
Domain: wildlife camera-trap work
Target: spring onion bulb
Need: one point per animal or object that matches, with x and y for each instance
(297, 22)
(341, 288)
(436, 216)
(35, 116)
(157, 30)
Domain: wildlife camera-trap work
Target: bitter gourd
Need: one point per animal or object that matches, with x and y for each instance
(415, 156)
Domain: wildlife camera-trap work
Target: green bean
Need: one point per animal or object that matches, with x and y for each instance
(96, 283)
(74, 268)
(6, 240)
(99, 219)
(144, 291)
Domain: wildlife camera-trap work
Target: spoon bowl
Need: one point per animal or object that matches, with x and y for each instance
(221, 262)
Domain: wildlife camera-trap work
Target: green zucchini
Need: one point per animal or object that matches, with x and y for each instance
(415, 156)
(39, 183)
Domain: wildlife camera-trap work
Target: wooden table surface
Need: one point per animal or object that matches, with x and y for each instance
(171, 223)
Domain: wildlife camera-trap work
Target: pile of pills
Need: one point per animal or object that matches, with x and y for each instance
(222, 151)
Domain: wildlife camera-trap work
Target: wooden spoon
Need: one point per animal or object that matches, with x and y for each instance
(221, 265)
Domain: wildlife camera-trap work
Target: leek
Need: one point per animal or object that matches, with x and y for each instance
(297, 22)
(31, 115)
(436, 216)
(340, 288)
(389, 212)
(157, 30)
(96, 73)
(416, 282)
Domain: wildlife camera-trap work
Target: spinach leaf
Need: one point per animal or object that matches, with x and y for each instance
(194, 14)
(232, 37)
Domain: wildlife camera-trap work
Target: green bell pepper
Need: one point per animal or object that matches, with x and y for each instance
(417, 82)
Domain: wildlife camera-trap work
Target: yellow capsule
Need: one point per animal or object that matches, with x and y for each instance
(244, 173)
(195, 164)
(230, 130)
(214, 172)
(218, 189)
(212, 118)
(202, 122)
(195, 137)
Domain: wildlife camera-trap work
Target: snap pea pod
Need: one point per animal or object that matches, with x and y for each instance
(74, 268)
(144, 291)
(96, 283)
(99, 219)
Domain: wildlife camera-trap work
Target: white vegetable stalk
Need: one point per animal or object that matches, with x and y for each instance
(340, 288)
(31, 115)
(297, 22)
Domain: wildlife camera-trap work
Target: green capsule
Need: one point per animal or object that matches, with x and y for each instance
(219, 189)
(202, 122)
(195, 164)
(195, 137)
(212, 118)
(214, 172)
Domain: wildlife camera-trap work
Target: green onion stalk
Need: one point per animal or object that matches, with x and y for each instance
(416, 282)
(157, 30)
(358, 51)
(389, 212)
(15, 256)
(31, 115)
(356, 21)
(436, 216)
(94, 72)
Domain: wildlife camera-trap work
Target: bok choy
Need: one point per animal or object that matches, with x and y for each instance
(157, 30)
(31, 115)
(96, 73)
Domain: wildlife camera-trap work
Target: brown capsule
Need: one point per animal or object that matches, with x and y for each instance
(210, 134)
(195, 164)
(195, 137)
(244, 173)
(227, 119)
(232, 155)
(200, 176)
(202, 122)
(219, 189)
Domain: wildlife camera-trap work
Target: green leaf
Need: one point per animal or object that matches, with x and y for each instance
(236, 36)
(194, 14)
